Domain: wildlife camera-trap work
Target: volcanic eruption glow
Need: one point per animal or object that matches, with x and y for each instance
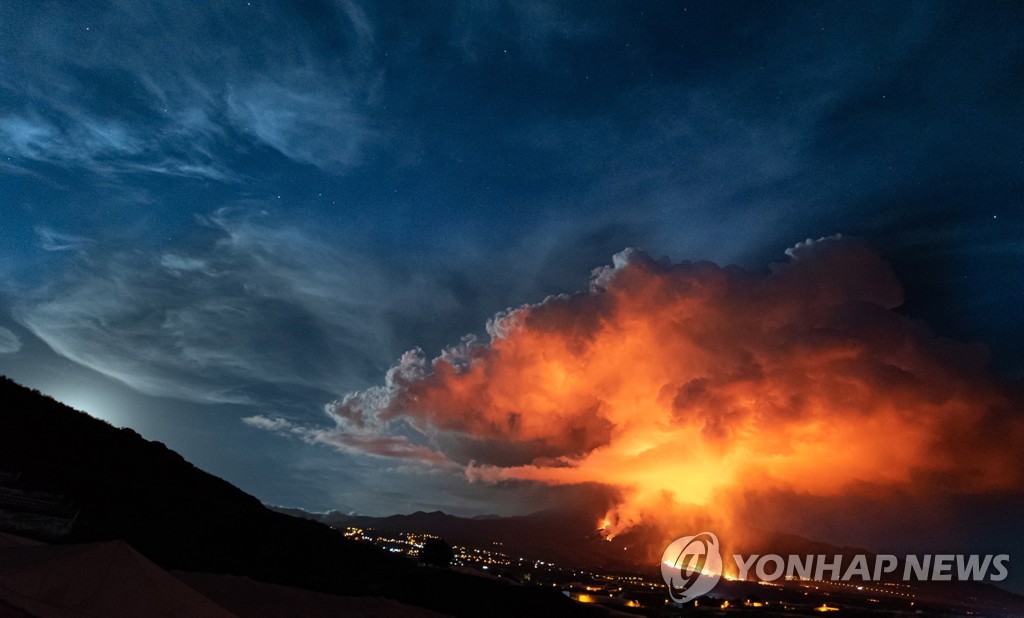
(685, 387)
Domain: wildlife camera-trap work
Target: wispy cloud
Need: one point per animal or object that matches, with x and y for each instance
(262, 306)
(38, 139)
(102, 147)
(123, 104)
(52, 240)
(392, 447)
(305, 122)
(9, 342)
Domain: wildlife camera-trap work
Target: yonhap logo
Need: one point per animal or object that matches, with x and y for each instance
(691, 566)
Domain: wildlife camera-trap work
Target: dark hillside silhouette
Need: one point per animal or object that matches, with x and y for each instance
(182, 518)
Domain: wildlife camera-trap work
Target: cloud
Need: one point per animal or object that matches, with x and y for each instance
(104, 147)
(393, 447)
(278, 425)
(306, 122)
(359, 23)
(9, 342)
(124, 105)
(179, 264)
(258, 305)
(687, 385)
(51, 240)
(41, 140)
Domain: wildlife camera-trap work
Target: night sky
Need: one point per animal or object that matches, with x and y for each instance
(217, 218)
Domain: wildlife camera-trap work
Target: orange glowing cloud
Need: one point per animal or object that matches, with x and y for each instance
(686, 385)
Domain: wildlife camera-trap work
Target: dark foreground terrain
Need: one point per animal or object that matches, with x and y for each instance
(126, 488)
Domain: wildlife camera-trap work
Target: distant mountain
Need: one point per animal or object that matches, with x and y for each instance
(125, 487)
(565, 537)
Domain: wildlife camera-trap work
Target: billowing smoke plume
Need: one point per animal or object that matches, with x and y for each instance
(686, 385)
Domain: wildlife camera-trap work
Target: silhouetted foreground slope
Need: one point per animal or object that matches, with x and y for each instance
(182, 518)
(111, 579)
(93, 579)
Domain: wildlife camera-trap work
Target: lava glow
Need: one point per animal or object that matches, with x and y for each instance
(685, 387)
